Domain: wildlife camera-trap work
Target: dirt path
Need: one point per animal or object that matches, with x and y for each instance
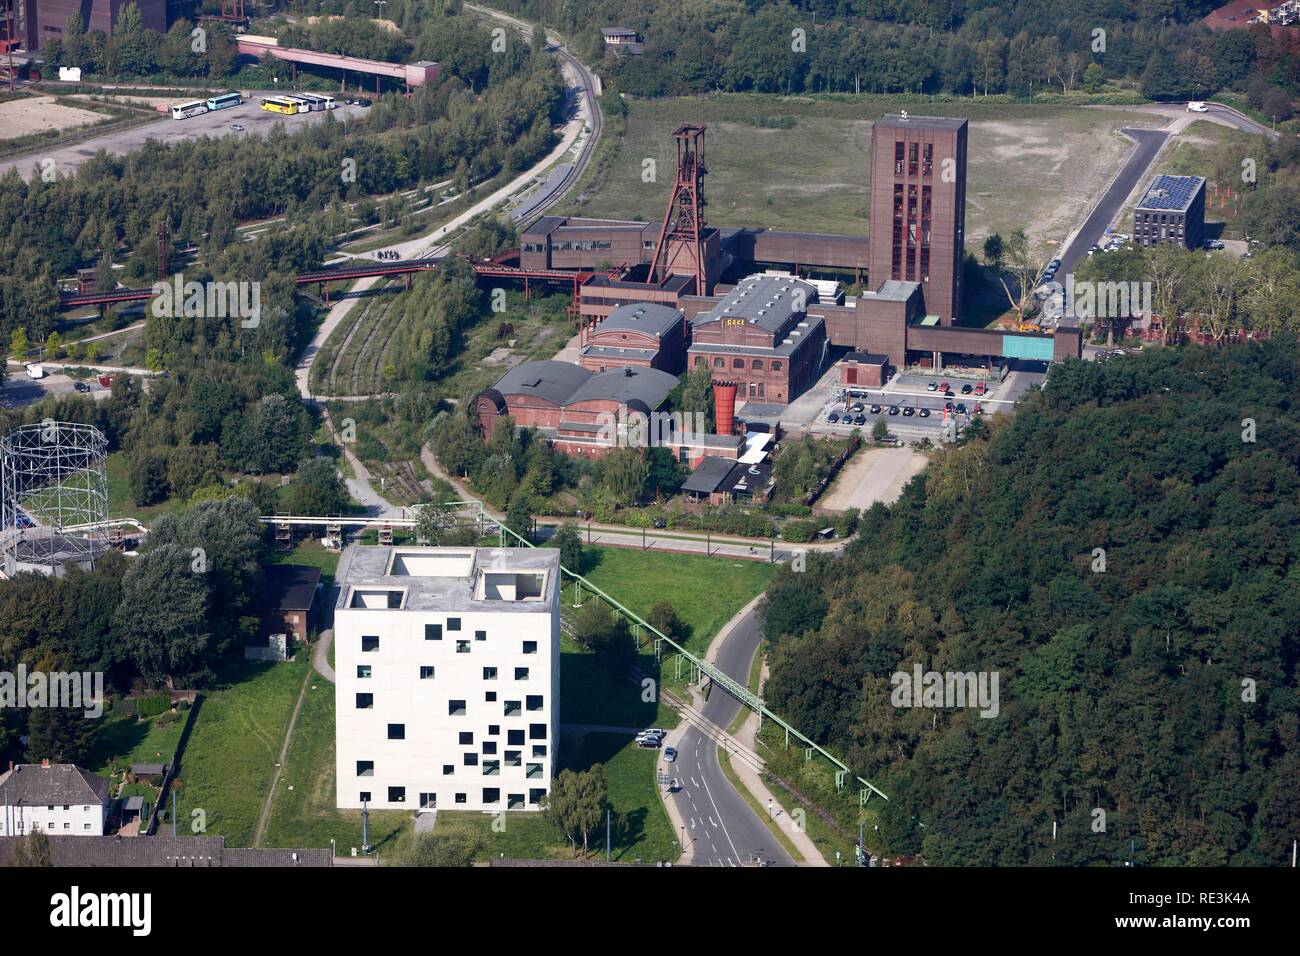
(279, 766)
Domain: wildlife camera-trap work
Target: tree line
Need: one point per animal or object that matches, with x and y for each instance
(958, 47)
(1123, 553)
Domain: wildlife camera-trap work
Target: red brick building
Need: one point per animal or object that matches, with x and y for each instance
(44, 20)
(643, 335)
(760, 336)
(917, 226)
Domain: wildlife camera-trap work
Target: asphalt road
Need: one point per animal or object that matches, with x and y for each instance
(722, 828)
(249, 115)
(1149, 142)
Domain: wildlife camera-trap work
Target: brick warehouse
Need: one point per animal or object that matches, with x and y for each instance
(761, 336)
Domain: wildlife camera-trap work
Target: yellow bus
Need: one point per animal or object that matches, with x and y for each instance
(278, 104)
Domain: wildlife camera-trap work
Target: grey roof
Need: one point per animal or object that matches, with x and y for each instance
(551, 381)
(868, 358)
(708, 475)
(896, 290)
(1174, 193)
(618, 351)
(618, 31)
(747, 478)
(923, 122)
(58, 784)
(544, 226)
(648, 386)
(291, 587)
(786, 347)
(364, 566)
(647, 317)
(765, 301)
(165, 851)
(148, 769)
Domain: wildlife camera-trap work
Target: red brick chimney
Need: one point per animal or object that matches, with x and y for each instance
(45, 761)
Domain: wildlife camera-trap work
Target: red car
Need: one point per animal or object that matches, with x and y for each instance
(943, 386)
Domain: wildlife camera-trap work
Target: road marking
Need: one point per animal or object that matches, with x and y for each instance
(723, 823)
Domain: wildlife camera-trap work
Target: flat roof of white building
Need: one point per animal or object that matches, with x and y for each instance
(413, 578)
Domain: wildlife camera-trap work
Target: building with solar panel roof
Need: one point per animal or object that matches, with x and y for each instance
(1171, 210)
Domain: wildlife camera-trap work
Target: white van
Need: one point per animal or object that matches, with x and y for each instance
(35, 370)
(1195, 106)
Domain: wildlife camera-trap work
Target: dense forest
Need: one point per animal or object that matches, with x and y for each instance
(1125, 554)
(961, 47)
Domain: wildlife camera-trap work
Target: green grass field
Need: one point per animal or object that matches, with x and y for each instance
(643, 832)
(230, 757)
(122, 741)
(706, 592)
(120, 504)
(303, 811)
(1030, 166)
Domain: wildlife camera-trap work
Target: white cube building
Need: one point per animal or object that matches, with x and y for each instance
(448, 677)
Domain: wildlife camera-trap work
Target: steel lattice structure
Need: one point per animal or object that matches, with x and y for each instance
(54, 483)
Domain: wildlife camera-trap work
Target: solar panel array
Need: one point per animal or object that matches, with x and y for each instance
(1171, 192)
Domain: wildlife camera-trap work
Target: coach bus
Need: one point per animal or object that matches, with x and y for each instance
(317, 101)
(304, 105)
(224, 100)
(278, 104)
(186, 110)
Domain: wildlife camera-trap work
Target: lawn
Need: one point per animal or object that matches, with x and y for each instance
(1030, 166)
(122, 741)
(120, 504)
(230, 758)
(303, 811)
(706, 592)
(645, 833)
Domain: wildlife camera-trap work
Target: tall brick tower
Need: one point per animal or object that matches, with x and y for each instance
(918, 207)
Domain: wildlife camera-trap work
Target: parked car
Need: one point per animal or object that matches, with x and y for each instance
(649, 743)
(81, 386)
(670, 754)
(363, 102)
(660, 523)
(909, 411)
(653, 732)
(875, 409)
(961, 408)
(859, 420)
(924, 413)
(833, 417)
(893, 409)
(947, 406)
(981, 388)
(236, 127)
(979, 409)
(857, 406)
(1196, 106)
(931, 386)
(944, 387)
(967, 388)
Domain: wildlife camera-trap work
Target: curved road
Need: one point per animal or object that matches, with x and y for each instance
(722, 829)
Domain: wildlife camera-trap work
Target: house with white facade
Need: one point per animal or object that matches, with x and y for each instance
(59, 798)
(447, 677)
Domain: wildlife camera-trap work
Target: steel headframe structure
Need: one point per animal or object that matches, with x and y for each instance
(54, 498)
(683, 228)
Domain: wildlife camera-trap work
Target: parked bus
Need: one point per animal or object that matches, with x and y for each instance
(278, 104)
(317, 101)
(186, 110)
(224, 100)
(304, 105)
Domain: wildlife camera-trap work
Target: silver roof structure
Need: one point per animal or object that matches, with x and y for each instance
(627, 386)
(769, 302)
(445, 579)
(648, 317)
(552, 381)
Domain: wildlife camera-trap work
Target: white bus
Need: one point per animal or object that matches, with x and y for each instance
(318, 101)
(304, 106)
(224, 101)
(186, 110)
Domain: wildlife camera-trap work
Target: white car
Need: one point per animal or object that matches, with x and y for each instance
(1195, 106)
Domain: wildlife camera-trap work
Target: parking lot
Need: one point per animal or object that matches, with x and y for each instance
(912, 403)
(20, 390)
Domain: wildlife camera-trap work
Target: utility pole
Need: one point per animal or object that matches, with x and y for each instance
(365, 826)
